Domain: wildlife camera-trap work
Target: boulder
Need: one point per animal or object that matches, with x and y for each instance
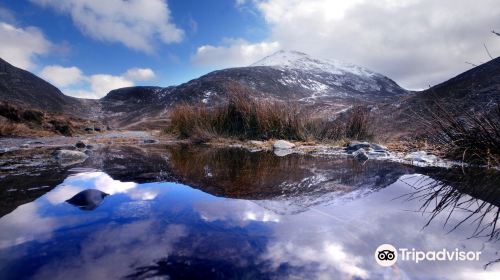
(81, 144)
(87, 199)
(356, 145)
(68, 157)
(283, 152)
(149, 141)
(378, 148)
(283, 145)
(360, 154)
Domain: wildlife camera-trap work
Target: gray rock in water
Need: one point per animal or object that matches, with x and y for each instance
(360, 155)
(283, 145)
(149, 141)
(283, 152)
(378, 148)
(356, 145)
(68, 157)
(81, 144)
(87, 199)
(421, 156)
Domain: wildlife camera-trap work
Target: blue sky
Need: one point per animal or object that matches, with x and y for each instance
(88, 47)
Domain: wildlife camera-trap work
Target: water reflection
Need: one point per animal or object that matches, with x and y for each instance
(249, 216)
(87, 199)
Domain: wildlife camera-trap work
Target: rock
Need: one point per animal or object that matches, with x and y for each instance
(356, 145)
(68, 157)
(87, 199)
(378, 148)
(25, 146)
(89, 129)
(81, 144)
(360, 155)
(421, 156)
(283, 152)
(149, 141)
(282, 145)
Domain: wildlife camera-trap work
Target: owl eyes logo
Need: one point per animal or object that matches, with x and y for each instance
(386, 255)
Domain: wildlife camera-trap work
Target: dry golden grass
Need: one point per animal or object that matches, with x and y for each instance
(245, 118)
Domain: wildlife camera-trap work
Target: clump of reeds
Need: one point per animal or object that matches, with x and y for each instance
(246, 118)
(472, 137)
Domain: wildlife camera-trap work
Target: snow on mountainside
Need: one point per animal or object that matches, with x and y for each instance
(301, 61)
(291, 76)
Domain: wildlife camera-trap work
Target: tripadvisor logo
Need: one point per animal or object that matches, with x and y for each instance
(387, 255)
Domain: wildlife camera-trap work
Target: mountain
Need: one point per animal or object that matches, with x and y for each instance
(325, 86)
(476, 90)
(23, 88)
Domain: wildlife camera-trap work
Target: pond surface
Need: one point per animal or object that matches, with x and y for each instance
(198, 213)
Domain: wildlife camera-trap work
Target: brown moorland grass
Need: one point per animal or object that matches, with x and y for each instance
(245, 118)
(472, 137)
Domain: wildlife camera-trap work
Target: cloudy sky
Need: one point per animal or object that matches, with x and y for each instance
(88, 47)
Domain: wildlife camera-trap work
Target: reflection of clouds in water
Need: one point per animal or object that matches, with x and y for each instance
(332, 258)
(239, 211)
(25, 224)
(91, 180)
(354, 230)
(111, 252)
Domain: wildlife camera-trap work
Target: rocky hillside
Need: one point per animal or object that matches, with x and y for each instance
(325, 86)
(25, 89)
(476, 90)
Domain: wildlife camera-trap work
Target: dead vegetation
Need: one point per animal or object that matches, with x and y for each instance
(18, 121)
(472, 137)
(242, 117)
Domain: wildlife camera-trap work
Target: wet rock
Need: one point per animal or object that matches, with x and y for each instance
(149, 141)
(360, 155)
(378, 148)
(81, 144)
(68, 157)
(283, 145)
(87, 199)
(356, 145)
(283, 152)
(421, 156)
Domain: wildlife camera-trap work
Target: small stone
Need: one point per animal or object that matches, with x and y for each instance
(360, 155)
(282, 144)
(81, 144)
(24, 146)
(283, 152)
(149, 141)
(356, 145)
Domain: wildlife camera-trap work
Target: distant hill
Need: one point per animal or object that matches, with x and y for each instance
(23, 88)
(325, 86)
(476, 90)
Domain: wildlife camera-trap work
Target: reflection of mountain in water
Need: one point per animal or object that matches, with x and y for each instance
(299, 180)
(88, 199)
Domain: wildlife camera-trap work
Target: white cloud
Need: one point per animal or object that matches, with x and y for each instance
(62, 76)
(19, 46)
(415, 42)
(233, 52)
(137, 24)
(102, 84)
(74, 82)
(140, 74)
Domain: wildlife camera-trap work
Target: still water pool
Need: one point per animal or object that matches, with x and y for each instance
(193, 213)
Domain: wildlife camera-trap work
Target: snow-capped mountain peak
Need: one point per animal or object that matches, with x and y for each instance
(301, 61)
